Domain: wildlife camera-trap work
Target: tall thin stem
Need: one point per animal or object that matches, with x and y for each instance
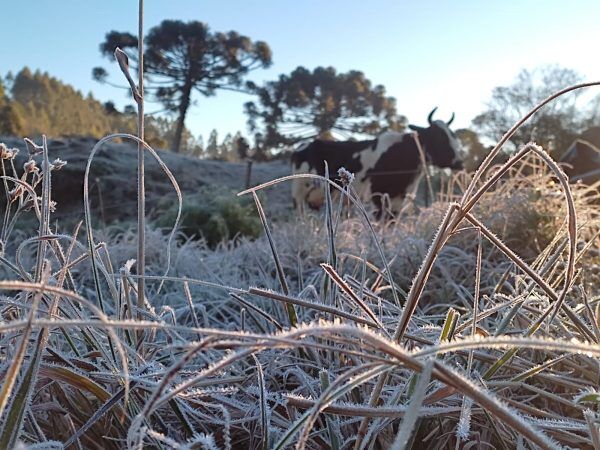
(141, 195)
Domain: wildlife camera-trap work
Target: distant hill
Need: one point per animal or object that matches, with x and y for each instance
(113, 178)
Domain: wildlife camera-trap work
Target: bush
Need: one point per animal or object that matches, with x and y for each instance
(214, 214)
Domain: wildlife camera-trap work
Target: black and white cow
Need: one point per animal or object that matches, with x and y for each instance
(388, 164)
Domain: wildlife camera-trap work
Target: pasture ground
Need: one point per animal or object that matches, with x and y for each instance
(290, 339)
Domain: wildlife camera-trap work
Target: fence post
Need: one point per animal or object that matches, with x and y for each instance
(248, 172)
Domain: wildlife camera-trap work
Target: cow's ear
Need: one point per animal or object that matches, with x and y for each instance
(416, 128)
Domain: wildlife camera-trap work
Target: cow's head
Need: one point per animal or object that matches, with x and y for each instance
(440, 143)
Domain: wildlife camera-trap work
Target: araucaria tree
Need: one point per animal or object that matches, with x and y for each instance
(305, 104)
(181, 58)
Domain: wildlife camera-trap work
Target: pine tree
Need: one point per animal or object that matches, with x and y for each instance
(241, 146)
(212, 148)
(226, 149)
(11, 122)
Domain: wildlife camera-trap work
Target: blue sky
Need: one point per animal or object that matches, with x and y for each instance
(427, 53)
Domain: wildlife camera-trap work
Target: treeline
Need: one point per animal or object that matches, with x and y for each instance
(35, 103)
(183, 59)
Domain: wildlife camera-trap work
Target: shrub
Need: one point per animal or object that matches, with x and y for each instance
(214, 214)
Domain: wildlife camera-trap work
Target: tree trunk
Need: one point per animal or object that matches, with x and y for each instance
(183, 107)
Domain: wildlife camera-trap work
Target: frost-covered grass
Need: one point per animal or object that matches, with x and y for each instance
(473, 322)
(332, 331)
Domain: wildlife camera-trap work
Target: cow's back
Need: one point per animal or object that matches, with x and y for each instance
(311, 157)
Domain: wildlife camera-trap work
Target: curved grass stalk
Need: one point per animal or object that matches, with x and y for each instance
(88, 215)
(452, 219)
(487, 162)
(384, 412)
(590, 350)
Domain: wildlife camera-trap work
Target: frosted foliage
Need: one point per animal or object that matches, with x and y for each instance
(194, 378)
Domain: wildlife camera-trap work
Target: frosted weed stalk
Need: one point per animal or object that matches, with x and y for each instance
(306, 338)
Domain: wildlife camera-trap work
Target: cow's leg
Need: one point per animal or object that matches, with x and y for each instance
(298, 195)
(379, 205)
(315, 196)
(396, 205)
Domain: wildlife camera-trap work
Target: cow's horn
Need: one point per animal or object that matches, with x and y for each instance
(430, 116)
(451, 119)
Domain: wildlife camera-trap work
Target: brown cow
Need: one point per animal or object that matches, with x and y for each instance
(581, 161)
